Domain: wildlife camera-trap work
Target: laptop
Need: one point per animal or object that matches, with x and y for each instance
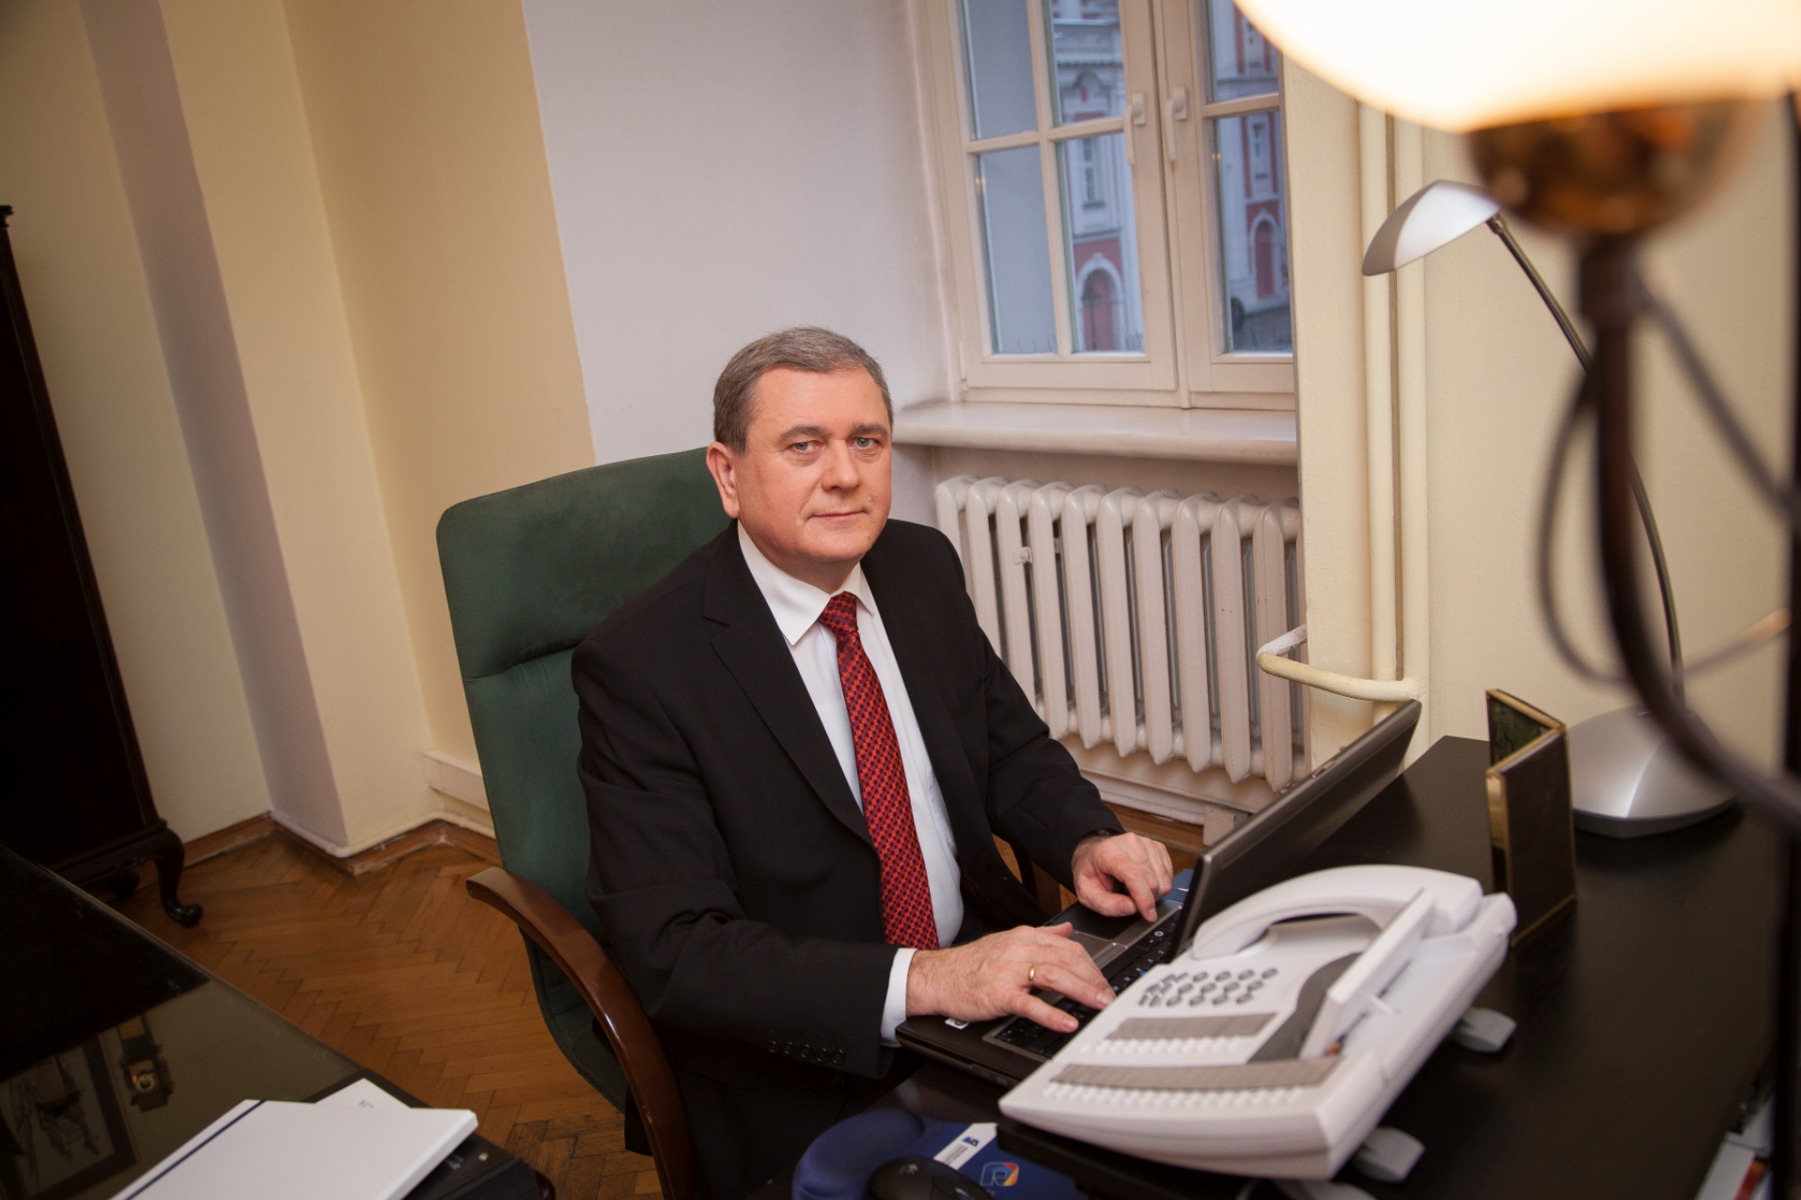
(1264, 850)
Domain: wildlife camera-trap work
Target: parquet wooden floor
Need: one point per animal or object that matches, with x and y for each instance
(400, 970)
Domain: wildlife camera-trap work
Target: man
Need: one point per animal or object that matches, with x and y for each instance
(798, 747)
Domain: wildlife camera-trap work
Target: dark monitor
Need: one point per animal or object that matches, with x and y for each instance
(1267, 848)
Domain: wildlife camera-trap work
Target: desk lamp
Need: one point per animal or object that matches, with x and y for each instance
(1601, 120)
(1626, 778)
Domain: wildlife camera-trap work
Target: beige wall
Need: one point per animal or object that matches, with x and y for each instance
(240, 97)
(1467, 347)
(425, 132)
(298, 289)
(95, 332)
(1325, 234)
(1500, 374)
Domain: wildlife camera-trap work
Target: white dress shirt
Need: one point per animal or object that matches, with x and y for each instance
(796, 606)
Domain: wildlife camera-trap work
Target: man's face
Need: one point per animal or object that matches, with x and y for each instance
(811, 487)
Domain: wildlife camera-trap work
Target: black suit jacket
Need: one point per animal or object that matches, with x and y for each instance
(732, 872)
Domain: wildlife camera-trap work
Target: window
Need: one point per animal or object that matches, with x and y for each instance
(1245, 127)
(1115, 191)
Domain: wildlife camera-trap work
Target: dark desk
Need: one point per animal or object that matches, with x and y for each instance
(88, 997)
(1644, 1017)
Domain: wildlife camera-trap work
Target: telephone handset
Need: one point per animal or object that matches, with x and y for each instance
(1406, 903)
(1275, 1041)
(1378, 892)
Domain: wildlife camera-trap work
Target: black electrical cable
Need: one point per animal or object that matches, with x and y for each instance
(1563, 444)
(1550, 500)
(1609, 300)
(1785, 501)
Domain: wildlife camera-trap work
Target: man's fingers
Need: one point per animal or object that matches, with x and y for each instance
(1110, 904)
(1084, 985)
(1124, 874)
(1033, 1009)
(1144, 895)
(1061, 959)
(996, 975)
(1059, 964)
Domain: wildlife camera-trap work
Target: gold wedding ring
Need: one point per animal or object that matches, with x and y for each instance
(1031, 975)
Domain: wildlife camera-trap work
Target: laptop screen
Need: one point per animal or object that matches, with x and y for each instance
(1266, 849)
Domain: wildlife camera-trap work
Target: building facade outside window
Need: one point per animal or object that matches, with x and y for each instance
(1116, 193)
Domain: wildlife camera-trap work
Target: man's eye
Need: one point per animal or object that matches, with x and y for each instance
(802, 447)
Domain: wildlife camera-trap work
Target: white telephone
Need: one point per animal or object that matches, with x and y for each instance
(1274, 1043)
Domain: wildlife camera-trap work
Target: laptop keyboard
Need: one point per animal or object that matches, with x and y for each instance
(1121, 973)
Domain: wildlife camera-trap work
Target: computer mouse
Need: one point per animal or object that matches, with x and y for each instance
(916, 1178)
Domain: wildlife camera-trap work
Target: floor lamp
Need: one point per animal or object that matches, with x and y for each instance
(1600, 120)
(1626, 777)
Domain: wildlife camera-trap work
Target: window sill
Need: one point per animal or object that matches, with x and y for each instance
(1194, 434)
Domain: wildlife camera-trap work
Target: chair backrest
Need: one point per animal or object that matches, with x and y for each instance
(529, 572)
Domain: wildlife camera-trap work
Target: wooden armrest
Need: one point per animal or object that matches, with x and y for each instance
(615, 1007)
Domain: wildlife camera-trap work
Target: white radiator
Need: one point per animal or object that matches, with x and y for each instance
(1135, 619)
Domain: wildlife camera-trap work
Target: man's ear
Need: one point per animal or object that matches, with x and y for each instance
(723, 466)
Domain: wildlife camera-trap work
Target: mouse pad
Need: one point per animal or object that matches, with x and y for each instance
(838, 1164)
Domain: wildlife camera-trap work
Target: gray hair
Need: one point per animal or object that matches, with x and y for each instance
(802, 348)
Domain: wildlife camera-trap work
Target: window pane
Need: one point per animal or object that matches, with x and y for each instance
(1101, 243)
(997, 42)
(1253, 233)
(1243, 62)
(1015, 245)
(1089, 68)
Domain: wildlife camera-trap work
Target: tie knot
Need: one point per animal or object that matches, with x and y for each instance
(840, 616)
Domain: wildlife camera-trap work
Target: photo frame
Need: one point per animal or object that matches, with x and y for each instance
(1531, 819)
(62, 1129)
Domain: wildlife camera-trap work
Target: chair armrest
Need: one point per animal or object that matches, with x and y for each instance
(615, 1007)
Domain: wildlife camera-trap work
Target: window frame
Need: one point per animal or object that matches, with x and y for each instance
(1211, 368)
(1184, 363)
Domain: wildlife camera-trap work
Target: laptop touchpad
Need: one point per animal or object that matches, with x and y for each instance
(1096, 946)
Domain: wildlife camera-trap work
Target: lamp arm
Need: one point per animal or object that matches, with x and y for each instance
(1544, 292)
(1672, 632)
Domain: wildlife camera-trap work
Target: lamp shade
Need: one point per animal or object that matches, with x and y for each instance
(1436, 215)
(1459, 65)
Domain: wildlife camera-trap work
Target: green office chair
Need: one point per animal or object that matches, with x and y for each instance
(529, 572)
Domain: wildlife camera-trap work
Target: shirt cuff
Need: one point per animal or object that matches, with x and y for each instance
(894, 1010)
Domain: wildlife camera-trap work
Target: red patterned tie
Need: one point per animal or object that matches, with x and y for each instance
(907, 918)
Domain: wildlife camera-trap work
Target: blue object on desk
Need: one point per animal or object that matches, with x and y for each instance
(838, 1164)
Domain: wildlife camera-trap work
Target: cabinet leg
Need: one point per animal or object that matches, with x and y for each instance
(169, 855)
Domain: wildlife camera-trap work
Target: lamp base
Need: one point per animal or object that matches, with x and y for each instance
(1627, 780)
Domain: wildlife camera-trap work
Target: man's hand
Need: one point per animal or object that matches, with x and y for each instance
(1118, 873)
(994, 977)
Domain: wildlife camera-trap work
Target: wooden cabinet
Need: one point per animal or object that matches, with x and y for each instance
(73, 793)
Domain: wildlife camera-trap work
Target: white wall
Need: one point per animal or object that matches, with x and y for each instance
(721, 171)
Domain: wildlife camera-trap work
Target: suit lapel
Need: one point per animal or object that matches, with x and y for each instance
(753, 650)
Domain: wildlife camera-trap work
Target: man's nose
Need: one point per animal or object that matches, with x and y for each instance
(841, 471)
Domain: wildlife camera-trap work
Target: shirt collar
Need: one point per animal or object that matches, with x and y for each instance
(794, 603)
